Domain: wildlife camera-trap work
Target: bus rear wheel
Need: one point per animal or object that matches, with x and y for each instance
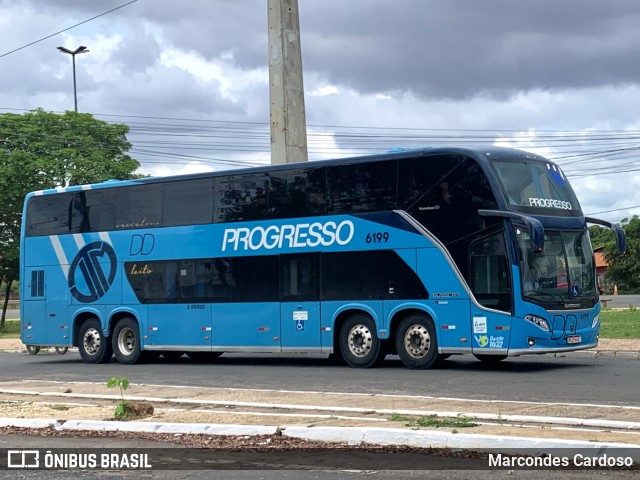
(93, 346)
(33, 349)
(416, 342)
(359, 343)
(126, 341)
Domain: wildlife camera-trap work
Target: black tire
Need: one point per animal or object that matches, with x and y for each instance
(126, 341)
(359, 343)
(335, 358)
(490, 359)
(33, 349)
(93, 346)
(62, 350)
(416, 342)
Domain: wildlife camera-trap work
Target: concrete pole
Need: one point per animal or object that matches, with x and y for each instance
(286, 91)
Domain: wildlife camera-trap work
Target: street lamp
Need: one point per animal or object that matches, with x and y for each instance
(73, 54)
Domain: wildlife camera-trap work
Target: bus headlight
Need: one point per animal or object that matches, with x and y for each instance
(540, 322)
(596, 319)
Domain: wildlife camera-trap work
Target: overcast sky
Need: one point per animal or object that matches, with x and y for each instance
(560, 78)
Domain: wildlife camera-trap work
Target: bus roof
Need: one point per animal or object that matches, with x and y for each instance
(478, 153)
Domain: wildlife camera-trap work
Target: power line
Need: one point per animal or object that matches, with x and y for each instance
(615, 210)
(69, 28)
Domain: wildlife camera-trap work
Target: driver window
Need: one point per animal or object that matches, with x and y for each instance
(490, 281)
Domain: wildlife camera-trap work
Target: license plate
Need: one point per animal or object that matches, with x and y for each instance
(574, 339)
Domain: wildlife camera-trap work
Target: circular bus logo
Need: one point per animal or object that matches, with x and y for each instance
(87, 280)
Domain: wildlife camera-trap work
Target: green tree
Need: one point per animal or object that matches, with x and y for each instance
(41, 150)
(624, 269)
(600, 236)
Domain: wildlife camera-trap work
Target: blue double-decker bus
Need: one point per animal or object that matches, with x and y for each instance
(421, 254)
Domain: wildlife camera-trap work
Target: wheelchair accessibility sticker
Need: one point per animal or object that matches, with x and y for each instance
(299, 317)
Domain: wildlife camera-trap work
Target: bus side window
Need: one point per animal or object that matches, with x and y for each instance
(362, 188)
(241, 197)
(139, 206)
(300, 277)
(49, 215)
(297, 193)
(188, 203)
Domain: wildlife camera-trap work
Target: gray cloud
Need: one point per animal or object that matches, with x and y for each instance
(434, 48)
(450, 64)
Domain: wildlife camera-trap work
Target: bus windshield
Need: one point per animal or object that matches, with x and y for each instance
(563, 273)
(537, 187)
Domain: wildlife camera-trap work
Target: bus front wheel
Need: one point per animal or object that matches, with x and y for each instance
(416, 342)
(93, 346)
(126, 341)
(359, 343)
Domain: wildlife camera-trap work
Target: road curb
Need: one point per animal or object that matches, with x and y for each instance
(436, 439)
(497, 417)
(350, 435)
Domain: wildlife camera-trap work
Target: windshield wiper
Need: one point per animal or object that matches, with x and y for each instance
(536, 292)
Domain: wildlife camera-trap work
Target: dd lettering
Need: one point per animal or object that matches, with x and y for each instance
(142, 244)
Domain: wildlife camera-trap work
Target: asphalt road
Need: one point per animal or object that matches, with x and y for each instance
(575, 378)
(622, 301)
(446, 468)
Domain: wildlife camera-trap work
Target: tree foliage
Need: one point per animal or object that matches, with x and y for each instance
(41, 150)
(623, 270)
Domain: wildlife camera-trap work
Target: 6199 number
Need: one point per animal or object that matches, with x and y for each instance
(377, 237)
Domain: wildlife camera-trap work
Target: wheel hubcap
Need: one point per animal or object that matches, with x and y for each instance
(360, 340)
(126, 341)
(417, 341)
(91, 341)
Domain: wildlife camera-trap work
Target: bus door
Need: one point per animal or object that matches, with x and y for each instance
(300, 307)
(491, 286)
(45, 298)
(57, 306)
(34, 316)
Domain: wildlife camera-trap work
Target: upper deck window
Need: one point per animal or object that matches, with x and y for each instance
(537, 187)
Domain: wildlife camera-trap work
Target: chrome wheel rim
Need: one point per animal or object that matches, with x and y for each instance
(417, 341)
(91, 341)
(360, 341)
(126, 341)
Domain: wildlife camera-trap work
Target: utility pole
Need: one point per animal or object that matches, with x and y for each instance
(286, 91)
(73, 53)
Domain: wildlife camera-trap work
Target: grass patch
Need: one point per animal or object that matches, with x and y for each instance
(57, 406)
(433, 421)
(620, 324)
(11, 329)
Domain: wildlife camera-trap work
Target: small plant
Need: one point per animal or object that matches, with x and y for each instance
(434, 421)
(57, 406)
(396, 417)
(460, 421)
(122, 407)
